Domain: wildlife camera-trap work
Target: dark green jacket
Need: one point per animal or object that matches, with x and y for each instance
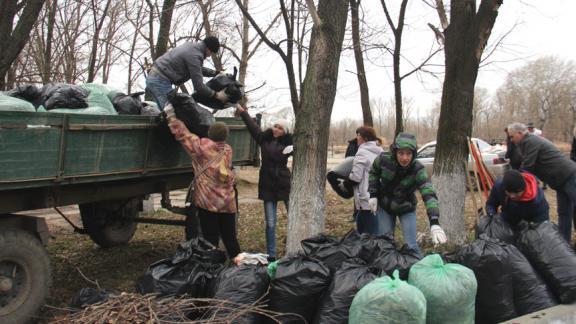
(394, 186)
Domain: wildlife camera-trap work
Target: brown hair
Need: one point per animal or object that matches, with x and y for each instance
(367, 132)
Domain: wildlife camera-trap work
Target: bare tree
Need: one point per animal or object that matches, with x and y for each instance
(17, 19)
(307, 206)
(360, 71)
(98, 24)
(465, 39)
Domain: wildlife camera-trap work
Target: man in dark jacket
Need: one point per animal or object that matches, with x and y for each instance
(541, 158)
(519, 197)
(181, 64)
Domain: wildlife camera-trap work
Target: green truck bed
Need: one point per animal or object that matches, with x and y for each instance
(52, 159)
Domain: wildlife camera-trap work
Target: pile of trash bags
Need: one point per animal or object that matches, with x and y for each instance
(325, 283)
(363, 278)
(87, 98)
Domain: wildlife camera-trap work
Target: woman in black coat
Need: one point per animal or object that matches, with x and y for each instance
(274, 180)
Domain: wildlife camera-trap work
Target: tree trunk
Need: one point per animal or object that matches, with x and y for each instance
(307, 206)
(360, 71)
(92, 70)
(466, 37)
(14, 38)
(164, 29)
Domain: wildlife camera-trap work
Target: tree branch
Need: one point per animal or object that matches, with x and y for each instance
(442, 14)
(438, 34)
(312, 9)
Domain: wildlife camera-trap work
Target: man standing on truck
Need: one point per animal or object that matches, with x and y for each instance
(181, 64)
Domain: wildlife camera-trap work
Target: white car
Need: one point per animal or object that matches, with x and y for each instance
(493, 156)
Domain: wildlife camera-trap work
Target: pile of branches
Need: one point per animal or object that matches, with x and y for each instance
(135, 308)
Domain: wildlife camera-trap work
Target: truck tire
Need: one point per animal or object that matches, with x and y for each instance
(110, 224)
(25, 275)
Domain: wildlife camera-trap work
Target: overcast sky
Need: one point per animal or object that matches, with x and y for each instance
(542, 28)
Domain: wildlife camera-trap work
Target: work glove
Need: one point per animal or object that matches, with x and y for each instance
(288, 149)
(437, 234)
(221, 96)
(373, 203)
(169, 111)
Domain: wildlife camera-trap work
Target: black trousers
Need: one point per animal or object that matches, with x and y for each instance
(220, 225)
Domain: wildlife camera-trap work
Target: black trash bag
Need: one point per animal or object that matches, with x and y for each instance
(531, 293)
(196, 118)
(297, 287)
(495, 227)
(191, 271)
(128, 104)
(393, 259)
(233, 88)
(149, 110)
(243, 284)
(551, 256)
(488, 258)
(347, 281)
(89, 296)
(61, 95)
(28, 92)
(374, 246)
(329, 250)
(192, 278)
(199, 249)
(337, 182)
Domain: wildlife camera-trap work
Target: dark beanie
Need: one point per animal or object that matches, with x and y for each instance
(514, 181)
(218, 132)
(212, 43)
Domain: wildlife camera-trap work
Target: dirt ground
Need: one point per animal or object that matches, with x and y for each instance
(77, 262)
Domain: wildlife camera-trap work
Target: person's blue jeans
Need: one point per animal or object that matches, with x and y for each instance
(270, 210)
(566, 198)
(366, 221)
(387, 224)
(159, 88)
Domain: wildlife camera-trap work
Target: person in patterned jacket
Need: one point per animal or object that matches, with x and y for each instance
(214, 187)
(393, 179)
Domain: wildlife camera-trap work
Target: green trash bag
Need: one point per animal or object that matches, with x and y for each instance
(450, 290)
(388, 300)
(8, 103)
(99, 97)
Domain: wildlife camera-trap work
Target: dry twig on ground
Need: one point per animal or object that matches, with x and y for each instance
(145, 309)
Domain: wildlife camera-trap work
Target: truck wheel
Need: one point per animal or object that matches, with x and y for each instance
(25, 277)
(110, 223)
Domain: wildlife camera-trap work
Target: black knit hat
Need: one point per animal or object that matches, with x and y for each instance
(513, 181)
(218, 132)
(212, 43)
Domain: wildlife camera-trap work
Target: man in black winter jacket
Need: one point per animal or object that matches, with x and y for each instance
(541, 158)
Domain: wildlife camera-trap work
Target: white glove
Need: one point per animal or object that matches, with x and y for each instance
(342, 187)
(373, 203)
(169, 111)
(221, 96)
(288, 149)
(438, 235)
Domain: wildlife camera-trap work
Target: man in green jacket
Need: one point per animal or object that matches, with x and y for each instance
(393, 180)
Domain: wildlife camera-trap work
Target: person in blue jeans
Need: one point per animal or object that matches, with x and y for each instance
(368, 150)
(181, 64)
(274, 178)
(544, 160)
(393, 179)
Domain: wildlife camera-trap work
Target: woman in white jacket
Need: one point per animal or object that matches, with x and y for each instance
(368, 150)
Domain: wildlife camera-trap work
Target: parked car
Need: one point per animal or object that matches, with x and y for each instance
(493, 156)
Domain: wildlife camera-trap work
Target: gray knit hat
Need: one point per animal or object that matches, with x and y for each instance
(218, 132)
